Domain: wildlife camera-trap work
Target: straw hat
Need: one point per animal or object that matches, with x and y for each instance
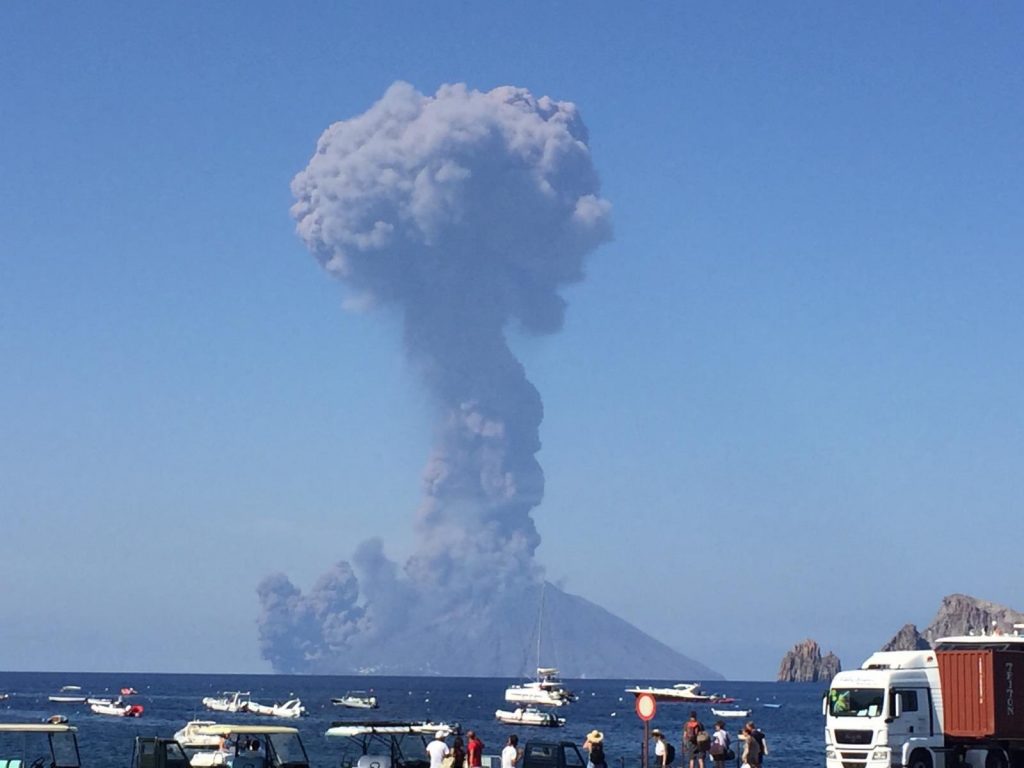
(440, 735)
(595, 737)
(655, 732)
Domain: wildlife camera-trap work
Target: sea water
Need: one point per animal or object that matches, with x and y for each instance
(794, 730)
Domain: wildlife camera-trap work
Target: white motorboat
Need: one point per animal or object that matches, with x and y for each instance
(529, 716)
(230, 701)
(69, 694)
(356, 700)
(547, 690)
(196, 735)
(116, 709)
(291, 708)
(730, 712)
(388, 728)
(681, 692)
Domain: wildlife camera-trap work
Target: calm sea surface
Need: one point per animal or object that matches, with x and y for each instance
(794, 730)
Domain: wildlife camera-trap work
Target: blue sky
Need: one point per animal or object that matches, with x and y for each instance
(786, 402)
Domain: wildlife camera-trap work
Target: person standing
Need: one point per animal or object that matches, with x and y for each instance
(751, 747)
(762, 743)
(695, 746)
(437, 750)
(719, 744)
(458, 753)
(474, 750)
(664, 753)
(510, 754)
(594, 745)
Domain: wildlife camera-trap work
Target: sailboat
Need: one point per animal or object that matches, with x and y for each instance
(547, 689)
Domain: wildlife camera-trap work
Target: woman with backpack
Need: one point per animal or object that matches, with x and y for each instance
(696, 741)
(720, 752)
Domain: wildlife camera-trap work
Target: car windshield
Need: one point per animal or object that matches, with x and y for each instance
(288, 750)
(855, 702)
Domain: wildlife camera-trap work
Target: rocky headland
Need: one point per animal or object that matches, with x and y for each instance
(957, 615)
(805, 664)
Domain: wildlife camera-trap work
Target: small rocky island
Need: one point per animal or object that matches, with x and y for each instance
(805, 664)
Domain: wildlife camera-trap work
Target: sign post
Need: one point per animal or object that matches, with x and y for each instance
(645, 709)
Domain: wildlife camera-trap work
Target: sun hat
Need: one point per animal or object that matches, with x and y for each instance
(655, 732)
(595, 736)
(440, 735)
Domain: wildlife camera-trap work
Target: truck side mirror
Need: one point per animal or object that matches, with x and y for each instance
(824, 704)
(897, 704)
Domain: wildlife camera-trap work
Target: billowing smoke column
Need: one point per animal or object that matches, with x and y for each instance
(464, 211)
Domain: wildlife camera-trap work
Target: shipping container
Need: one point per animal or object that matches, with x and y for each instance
(982, 693)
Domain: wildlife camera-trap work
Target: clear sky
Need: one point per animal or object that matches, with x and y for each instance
(787, 401)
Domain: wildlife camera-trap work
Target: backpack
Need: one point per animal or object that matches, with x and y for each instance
(703, 740)
(693, 730)
(670, 753)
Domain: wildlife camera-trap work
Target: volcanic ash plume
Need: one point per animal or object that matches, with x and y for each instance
(462, 211)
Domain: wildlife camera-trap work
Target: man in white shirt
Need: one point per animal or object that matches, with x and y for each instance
(437, 750)
(510, 754)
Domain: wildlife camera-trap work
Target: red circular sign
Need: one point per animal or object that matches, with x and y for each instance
(645, 706)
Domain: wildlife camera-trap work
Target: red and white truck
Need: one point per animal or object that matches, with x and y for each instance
(959, 705)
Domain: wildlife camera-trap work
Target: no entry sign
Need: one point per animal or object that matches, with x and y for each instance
(645, 707)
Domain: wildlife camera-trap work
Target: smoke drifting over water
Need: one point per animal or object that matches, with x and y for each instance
(466, 212)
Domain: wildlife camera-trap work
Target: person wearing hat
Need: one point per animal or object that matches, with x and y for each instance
(664, 753)
(438, 750)
(594, 745)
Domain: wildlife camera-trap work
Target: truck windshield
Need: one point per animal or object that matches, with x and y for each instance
(855, 702)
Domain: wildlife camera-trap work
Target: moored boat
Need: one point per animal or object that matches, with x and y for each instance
(128, 691)
(689, 693)
(529, 716)
(730, 712)
(117, 709)
(547, 690)
(69, 694)
(291, 708)
(229, 701)
(356, 700)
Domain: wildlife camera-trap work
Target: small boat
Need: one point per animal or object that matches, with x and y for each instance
(196, 735)
(730, 712)
(529, 716)
(356, 700)
(291, 708)
(56, 719)
(772, 706)
(128, 691)
(69, 694)
(4, 696)
(546, 690)
(230, 701)
(117, 709)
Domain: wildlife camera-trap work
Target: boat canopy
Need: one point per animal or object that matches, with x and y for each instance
(36, 728)
(224, 729)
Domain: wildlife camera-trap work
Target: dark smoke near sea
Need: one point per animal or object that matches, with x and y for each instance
(466, 213)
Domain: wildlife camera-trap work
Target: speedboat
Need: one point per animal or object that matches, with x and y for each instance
(230, 701)
(69, 694)
(682, 692)
(291, 708)
(547, 690)
(356, 700)
(529, 716)
(730, 712)
(196, 735)
(129, 691)
(244, 745)
(117, 709)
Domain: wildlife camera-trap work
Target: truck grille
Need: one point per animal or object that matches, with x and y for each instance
(853, 737)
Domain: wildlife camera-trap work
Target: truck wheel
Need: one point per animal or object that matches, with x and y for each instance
(995, 759)
(921, 758)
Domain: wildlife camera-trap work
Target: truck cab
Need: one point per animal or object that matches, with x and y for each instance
(155, 752)
(552, 754)
(954, 706)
